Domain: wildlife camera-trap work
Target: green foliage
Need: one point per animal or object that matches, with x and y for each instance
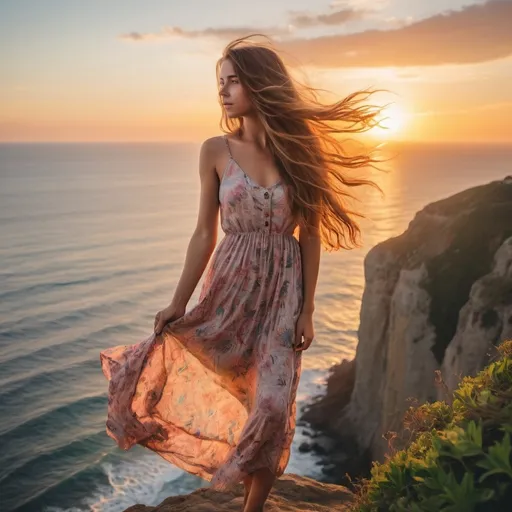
(459, 459)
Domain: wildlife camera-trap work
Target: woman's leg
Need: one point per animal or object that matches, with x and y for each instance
(262, 481)
(247, 485)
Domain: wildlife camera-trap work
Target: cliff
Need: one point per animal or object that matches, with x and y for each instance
(437, 298)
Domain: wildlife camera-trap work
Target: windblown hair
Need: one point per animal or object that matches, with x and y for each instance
(301, 135)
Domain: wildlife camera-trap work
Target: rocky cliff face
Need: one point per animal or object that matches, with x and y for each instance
(484, 321)
(437, 297)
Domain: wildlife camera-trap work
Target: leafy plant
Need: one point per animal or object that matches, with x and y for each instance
(460, 455)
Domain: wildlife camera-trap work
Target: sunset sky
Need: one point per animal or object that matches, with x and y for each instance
(126, 70)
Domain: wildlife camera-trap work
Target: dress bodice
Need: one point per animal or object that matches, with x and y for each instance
(246, 206)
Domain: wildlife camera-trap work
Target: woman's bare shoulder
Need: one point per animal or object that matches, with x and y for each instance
(213, 151)
(214, 143)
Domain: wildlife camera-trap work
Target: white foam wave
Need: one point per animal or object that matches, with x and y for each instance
(130, 483)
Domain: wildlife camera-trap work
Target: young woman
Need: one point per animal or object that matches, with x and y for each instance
(213, 389)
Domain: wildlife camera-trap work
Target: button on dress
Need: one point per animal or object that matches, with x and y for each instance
(215, 392)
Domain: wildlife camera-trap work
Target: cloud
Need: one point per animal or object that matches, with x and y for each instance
(474, 34)
(392, 22)
(304, 20)
(477, 33)
(354, 10)
(360, 4)
(226, 33)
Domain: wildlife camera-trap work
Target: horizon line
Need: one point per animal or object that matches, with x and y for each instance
(170, 141)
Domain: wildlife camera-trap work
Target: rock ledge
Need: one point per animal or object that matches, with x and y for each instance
(290, 493)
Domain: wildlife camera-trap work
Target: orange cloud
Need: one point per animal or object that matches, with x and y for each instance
(476, 33)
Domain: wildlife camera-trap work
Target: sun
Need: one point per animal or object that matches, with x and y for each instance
(392, 121)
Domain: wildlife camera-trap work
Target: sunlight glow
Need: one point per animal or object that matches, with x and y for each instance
(391, 121)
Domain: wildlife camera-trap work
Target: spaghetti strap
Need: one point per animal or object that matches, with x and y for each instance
(227, 145)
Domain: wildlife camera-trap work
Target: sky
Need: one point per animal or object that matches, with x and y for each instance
(126, 70)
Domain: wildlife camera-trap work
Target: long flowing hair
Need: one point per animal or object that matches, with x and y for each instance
(301, 135)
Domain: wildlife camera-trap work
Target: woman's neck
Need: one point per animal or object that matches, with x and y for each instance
(251, 130)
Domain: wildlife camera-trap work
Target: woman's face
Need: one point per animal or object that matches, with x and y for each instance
(235, 100)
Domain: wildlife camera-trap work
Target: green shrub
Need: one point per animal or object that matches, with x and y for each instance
(459, 459)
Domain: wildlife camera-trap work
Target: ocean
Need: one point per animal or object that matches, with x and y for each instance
(92, 243)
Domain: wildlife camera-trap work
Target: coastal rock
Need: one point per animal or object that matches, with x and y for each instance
(381, 271)
(444, 280)
(340, 384)
(290, 493)
(410, 362)
(483, 321)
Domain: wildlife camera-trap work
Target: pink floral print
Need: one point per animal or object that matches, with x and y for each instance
(215, 392)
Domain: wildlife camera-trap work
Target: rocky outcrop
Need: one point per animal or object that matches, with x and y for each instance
(484, 321)
(340, 384)
(437, 297)
(290, 493)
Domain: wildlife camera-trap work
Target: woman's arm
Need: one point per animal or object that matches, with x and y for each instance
(310, 248)
(204, 238)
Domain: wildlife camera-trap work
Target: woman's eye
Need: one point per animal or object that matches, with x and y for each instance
(233, 81)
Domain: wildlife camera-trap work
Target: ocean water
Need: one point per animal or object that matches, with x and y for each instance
(92, 242)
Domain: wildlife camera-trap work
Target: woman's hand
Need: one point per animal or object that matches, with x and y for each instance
(304, 329)
(167, 314)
